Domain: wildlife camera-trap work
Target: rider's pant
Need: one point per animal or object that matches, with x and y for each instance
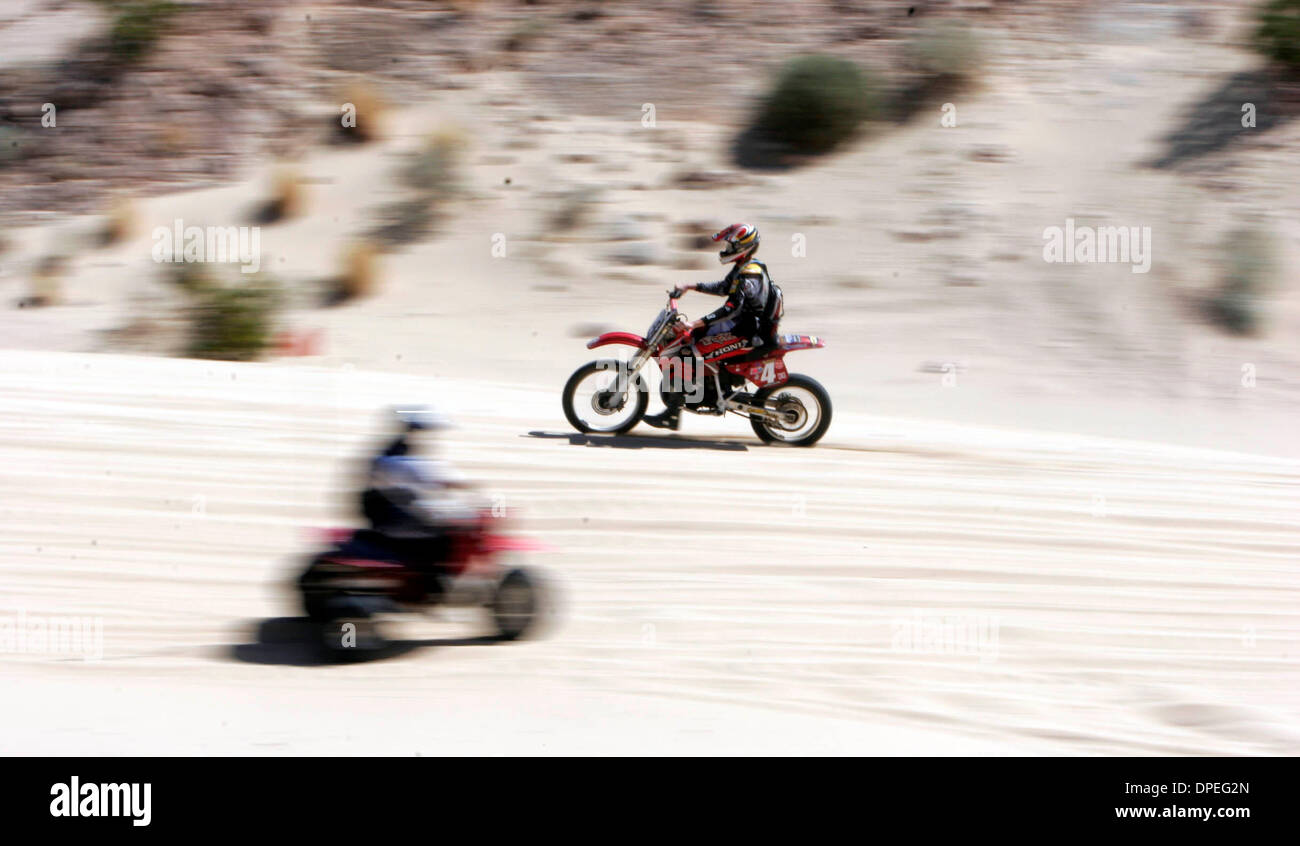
(722, 327)
(725, 327)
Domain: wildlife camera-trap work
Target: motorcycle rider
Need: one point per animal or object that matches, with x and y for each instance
(747, 287)
(410, 499)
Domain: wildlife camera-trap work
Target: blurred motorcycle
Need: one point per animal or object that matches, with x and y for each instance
(360, 575)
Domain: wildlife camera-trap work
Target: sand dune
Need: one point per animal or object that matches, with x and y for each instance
(1128, 598)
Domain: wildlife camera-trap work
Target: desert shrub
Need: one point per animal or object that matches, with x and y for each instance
(371, 114)
(120, 223)
(523, 36)
(45, 287)
(817, 103)
(1248, 267)
(1278, 35)
(433, 175)
(434, 169)
(172, 139)
(234, 322)
(13, 145)
(1235, 309)
(360, 274)
(286, 198)
(188, 277)
(946, 55)
(137, 24)
(405, 221)
(573, 208)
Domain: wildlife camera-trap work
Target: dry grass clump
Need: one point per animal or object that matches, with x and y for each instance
(359, 273)
(45, 285)
(363, 114)
(287, 200)
(121, 222)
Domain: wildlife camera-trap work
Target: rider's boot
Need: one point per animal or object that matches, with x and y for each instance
(669, 418)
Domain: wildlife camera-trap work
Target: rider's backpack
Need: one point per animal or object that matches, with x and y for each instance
(773, 305)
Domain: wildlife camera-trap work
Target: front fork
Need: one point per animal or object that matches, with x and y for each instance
(627, 374)
(636, 363)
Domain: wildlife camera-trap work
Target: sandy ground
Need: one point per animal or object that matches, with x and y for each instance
(170, 498)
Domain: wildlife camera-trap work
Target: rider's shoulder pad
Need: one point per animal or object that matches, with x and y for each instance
(752, 269)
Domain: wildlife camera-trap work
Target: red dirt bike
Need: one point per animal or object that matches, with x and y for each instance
(610, 396)
(359, 576)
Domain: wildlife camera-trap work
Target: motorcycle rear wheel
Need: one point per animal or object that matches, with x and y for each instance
(517, 606)
(794, 397)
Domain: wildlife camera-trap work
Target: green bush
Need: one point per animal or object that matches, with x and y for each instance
(946, 54)
(1278, 36)
(523, 36)
(232, 322)
(13, 143)
(435, 167)
(1249, 264)
(818, 102)
(1235, 310)
(136, 26)
(433, 175)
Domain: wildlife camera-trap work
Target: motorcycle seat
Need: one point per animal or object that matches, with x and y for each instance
(371, 543)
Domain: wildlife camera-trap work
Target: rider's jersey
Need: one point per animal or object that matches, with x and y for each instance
(745, 288)
(413, 472)
(414, 489)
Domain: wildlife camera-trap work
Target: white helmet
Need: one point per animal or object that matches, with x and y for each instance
(419, 418)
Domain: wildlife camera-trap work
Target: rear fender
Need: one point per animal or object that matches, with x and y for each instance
(513, 543)
(799, 342)
(329, 536)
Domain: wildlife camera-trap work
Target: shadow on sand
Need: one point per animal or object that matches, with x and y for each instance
(639, 441)
(297, 642)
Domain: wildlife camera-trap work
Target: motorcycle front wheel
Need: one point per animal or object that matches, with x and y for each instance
(602, 398)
